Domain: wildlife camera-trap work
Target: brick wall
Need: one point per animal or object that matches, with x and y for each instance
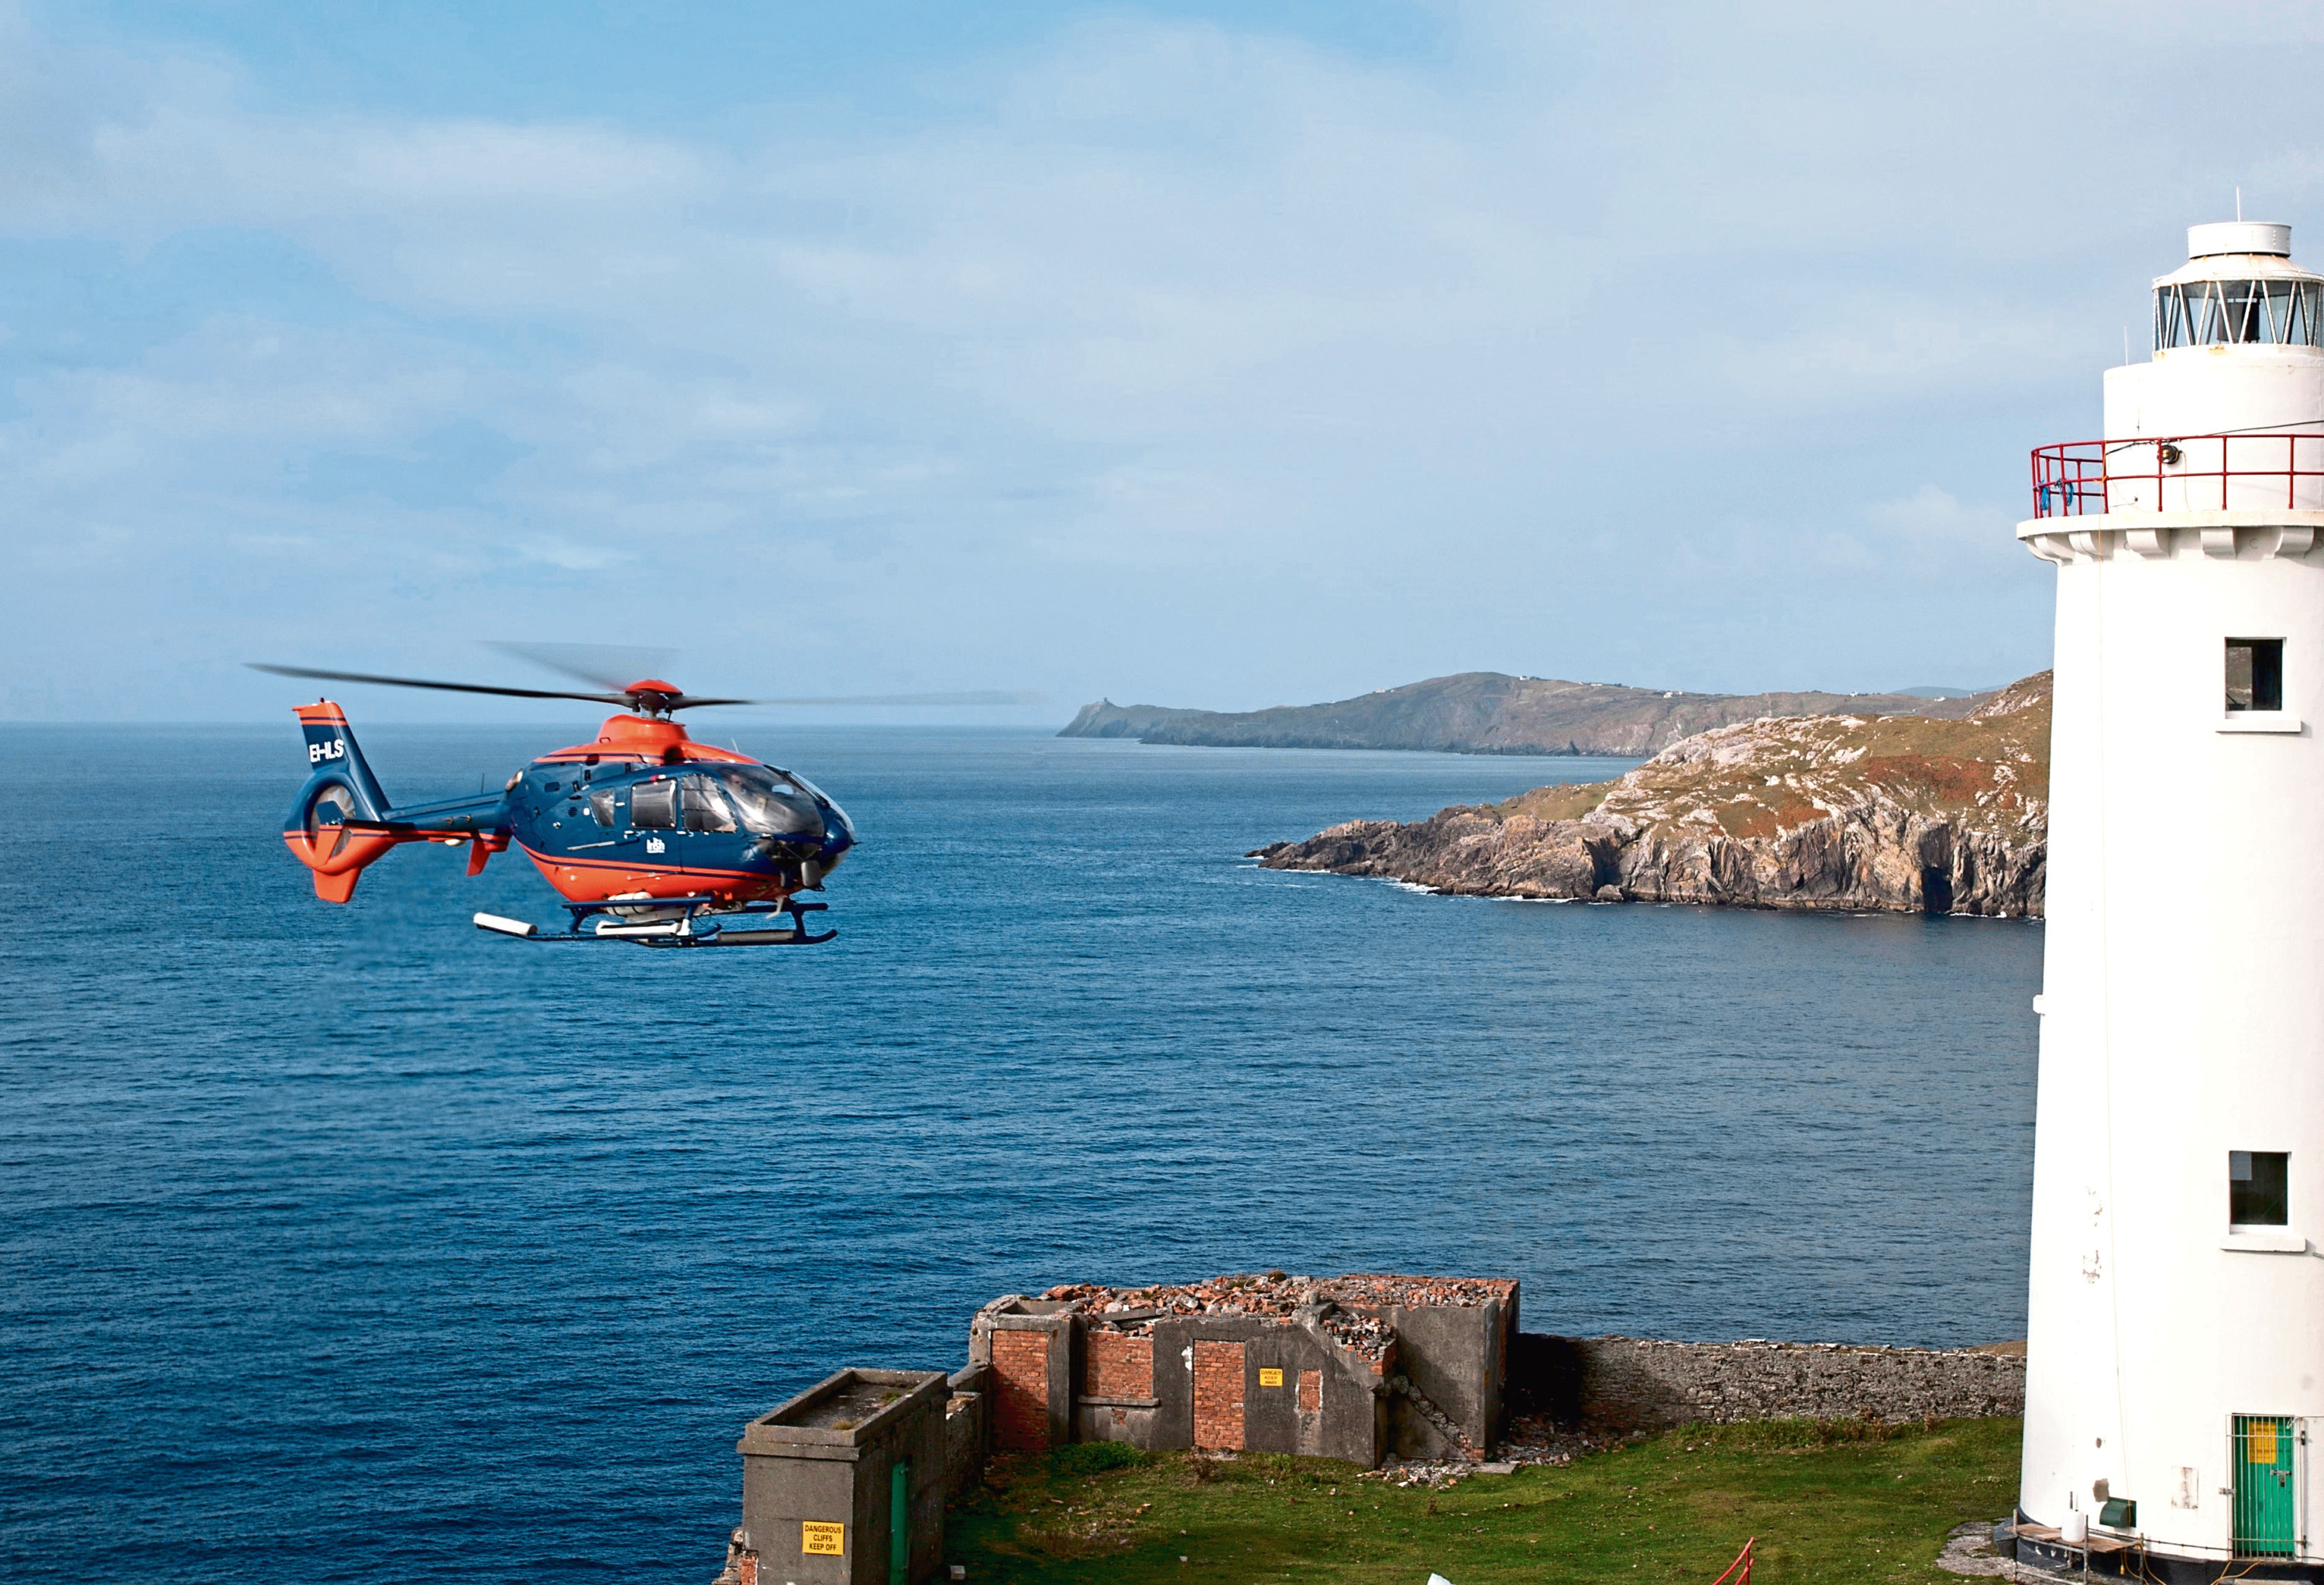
(1020, 1390)
(1218, 1395)
(1117, 1366)
(1310, 1392)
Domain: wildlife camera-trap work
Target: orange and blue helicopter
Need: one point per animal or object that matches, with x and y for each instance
(652, 837)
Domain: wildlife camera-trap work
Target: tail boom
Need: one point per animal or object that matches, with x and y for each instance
(342, 821)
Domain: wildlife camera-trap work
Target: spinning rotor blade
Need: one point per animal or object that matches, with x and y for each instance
(447, 687)
(631, 697)
(611, 666)
(983, 699)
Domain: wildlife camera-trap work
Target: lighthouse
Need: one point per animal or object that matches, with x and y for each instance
(2174, 1402)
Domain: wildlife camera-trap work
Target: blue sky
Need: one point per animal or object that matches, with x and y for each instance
(1200, 354)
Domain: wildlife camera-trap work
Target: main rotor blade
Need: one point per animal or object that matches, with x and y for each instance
(611, 666)
(622, 700)
(881, 699)
(627, 701)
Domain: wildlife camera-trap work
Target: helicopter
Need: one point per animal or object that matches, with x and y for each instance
(652, 837)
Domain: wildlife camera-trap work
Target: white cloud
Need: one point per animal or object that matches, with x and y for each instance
(1618, 315)
(572, 557)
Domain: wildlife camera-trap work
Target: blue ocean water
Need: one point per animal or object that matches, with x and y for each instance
(354, 1242)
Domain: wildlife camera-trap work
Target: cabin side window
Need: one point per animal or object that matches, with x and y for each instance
(2259, 1188)
(654, 806)
(701, 806)
(2254, 674)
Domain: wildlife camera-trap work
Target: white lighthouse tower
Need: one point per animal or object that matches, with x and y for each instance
(2175, 1341)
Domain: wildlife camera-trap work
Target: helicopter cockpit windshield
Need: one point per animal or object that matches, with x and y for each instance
(769, 805)
(823, 798)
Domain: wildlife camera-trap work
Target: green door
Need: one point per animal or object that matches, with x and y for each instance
(2263, 1515)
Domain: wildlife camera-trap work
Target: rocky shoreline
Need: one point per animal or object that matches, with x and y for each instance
(1849, 812)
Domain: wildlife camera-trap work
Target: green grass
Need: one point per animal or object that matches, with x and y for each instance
(1829, 1501)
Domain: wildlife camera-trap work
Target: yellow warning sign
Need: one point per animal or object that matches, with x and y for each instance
(2261, 1447)
(823, 1540)
(1270, 1375)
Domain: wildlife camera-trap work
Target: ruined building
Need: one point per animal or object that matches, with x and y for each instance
(847, 1482)
(1355, 1368)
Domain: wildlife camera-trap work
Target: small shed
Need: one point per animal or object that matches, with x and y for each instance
(845, 1483)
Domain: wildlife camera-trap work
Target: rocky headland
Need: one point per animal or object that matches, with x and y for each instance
(1489, 712)
(1889, 812)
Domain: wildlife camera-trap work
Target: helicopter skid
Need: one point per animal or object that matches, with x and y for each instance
(695, 927)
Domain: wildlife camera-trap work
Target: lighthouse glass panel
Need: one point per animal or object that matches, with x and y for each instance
(2259, 1188)
(2213, 313)
(2254, 674)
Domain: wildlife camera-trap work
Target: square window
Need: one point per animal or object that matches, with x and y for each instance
(2259, 1188)
(654, 806)
(2254, 674)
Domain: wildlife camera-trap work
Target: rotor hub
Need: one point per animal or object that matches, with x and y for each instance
(653, 696)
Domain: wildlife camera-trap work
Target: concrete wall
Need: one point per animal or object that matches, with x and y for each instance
(1231, 1383)
(967, 1433)
(1457, 1356)
(796, 1473)
(1627, 1384)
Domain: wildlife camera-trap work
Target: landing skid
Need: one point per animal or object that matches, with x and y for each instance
(695, 928)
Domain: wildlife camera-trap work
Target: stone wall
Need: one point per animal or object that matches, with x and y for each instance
(1626, 1383)
(966, 1432)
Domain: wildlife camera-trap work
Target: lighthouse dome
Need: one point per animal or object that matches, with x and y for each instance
(2238, 236)
(2239, 286)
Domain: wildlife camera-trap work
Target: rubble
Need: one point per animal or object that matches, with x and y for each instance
(1530, 1440)
(742, 1561)
(1338, 1304)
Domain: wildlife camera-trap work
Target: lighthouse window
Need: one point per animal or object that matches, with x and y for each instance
(2254, 674)
(2208, 313)
(2259, 1192)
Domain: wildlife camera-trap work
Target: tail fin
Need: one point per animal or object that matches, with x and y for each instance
(325, 828)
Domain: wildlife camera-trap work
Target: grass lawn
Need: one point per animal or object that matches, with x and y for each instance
(1828, 1502)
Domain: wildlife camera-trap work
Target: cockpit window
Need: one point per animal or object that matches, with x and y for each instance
(770, 805)
(700, 806)
(820, 796)
(654, 806)
(601, 805)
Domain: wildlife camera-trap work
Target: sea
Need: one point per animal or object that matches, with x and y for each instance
(355, 1243)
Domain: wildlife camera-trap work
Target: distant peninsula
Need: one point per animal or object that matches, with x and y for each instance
(1857, 811)
(1489, 713)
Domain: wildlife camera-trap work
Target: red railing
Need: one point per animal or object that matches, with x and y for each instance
(2179, 473)
(1739, 1572)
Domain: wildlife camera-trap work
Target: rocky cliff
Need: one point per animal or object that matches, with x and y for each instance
(1897, 812)
(1487, 712)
